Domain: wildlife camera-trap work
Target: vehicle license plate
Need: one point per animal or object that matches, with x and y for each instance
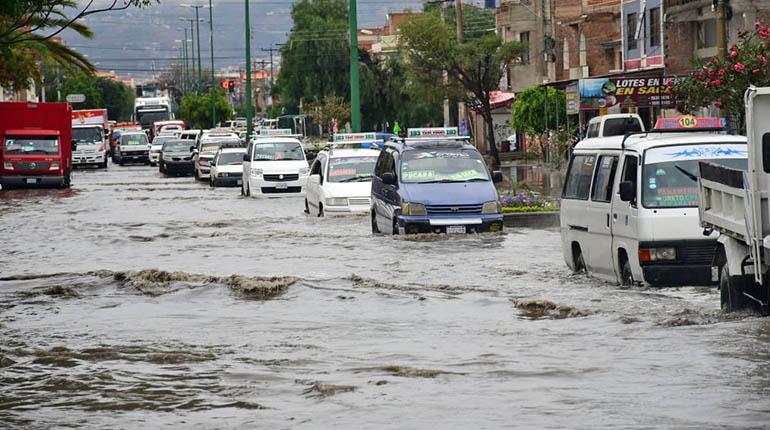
(455, 229)
(281, 186)
(30, 180)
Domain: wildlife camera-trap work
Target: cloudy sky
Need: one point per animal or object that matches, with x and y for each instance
(136, 41)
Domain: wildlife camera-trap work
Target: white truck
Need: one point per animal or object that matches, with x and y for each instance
(735, 203)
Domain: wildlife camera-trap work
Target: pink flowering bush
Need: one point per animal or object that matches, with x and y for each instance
(722, 81)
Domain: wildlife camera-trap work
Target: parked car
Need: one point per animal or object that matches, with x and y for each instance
(340, 181)
(439, 184)
(274, 165)
(157, 144)
(227, 168)
(617, 124)
(133, 147)
(176, 157)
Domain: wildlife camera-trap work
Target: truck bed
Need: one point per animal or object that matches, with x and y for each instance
(724, 200)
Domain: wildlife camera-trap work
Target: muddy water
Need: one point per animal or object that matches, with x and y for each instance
(326, 326)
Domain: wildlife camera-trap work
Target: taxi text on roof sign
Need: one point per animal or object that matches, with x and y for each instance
(688, 122)
(367, 137)
(275, 132)
(433, 132)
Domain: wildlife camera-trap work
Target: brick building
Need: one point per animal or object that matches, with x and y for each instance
(527, 22)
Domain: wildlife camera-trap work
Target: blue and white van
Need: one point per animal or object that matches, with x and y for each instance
(435, 184)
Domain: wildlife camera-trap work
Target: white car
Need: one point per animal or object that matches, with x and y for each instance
(157, 144)
(227, 168)
(341, 181)
(274, 165)
(207, 148)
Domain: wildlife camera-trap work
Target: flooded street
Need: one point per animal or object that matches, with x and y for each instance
(135, 300)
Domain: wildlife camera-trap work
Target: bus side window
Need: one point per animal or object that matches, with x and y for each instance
(578, 183)
(630, 166)
(604, 179)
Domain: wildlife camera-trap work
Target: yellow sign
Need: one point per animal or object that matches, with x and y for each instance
(687, 121)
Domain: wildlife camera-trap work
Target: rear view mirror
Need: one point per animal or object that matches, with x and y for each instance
(388, 178)
(497, 176)
(627, 191)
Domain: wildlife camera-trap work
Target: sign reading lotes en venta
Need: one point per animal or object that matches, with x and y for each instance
(626, 92)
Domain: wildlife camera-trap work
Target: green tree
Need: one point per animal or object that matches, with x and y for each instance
(723, 81)
(196, 109)
(77, 82)
(477, 21)
(475, 66)
(117, 98)
(27, 35)
(314, 59)
(529, 116)
(332, 109)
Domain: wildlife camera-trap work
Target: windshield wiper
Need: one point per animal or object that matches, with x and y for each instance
(356, 178)
(686, 173)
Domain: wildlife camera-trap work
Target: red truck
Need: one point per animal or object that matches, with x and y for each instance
(35, 144)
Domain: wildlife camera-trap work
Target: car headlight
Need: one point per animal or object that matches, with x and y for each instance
(256, 172)
(491, 208)
(53, 166)
(337, 201)
(304, 171)
(657, 254)
(413, 209)
(8, 166)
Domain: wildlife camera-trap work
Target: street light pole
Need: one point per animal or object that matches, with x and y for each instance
(186, 66)
(194, 81)
(212, 89)
(249, 112)
(355, 96)
(198, 36)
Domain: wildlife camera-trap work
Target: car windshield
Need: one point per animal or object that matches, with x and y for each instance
(351, 169)
(90, 134)
(147, 118)
(176, 146)
(621, 126)
(160, 140)
(670, 174)
(230, 158)
(214, 145)
(274, 151)
(133, 139)
(31, 145)
(443, 165)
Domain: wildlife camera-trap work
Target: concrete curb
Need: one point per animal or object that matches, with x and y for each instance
(531, 219)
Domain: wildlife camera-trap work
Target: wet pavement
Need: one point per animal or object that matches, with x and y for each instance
(135, 300)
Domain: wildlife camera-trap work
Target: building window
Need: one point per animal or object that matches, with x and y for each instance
(583, 53)
(524, 38)
(655, 26)
(631, 31)
(565, 54)
(707, 33)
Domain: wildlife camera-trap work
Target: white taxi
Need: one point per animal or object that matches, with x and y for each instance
(227, 168)
(274, 165)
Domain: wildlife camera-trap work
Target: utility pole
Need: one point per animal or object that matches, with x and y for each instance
(192, 53)
(270, 50)
(249, 111)
(721, 28)
(355, 96)
(460, 39)
(447, 120)
(186, 68)
(198, 35)
(213, 77)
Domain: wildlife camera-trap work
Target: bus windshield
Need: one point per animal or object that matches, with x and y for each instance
(670, 174)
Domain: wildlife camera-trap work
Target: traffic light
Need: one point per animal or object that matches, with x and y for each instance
(225, 85)
(231, 85)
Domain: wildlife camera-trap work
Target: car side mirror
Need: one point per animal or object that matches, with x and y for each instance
(627, 191)
(497, 176)
(246, 157)
(74, 145)
(388, 178)
(315, 179)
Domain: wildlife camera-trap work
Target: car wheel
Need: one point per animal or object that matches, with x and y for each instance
(626, 276)
(307, 207)
(320, 210)
(211, 182)
(579, 261)
(197, 176)
(103, 164)
(248, 190)
(730, 294)
(243, 190)
(395, 227)
(375, 227)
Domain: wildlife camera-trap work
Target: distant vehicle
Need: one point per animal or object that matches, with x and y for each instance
(157, 145)
(227, 168)
(133, 146)
(169, 127)
(629, 208)
(115, 132)
(734, 202)
(274, 165)
(191, 135)
(35, 144)
(207, 148)
(298, 124)
(340, 181)
(617, 124)
(235, 123)
(176, 157)
(434, 182)
(88, 131)
(148, 110)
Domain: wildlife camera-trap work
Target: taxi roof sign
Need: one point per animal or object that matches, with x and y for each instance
(432, 132)
(689, 122)
(275, 132)
(355, 137)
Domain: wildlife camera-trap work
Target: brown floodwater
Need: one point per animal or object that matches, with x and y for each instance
(135, 300)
